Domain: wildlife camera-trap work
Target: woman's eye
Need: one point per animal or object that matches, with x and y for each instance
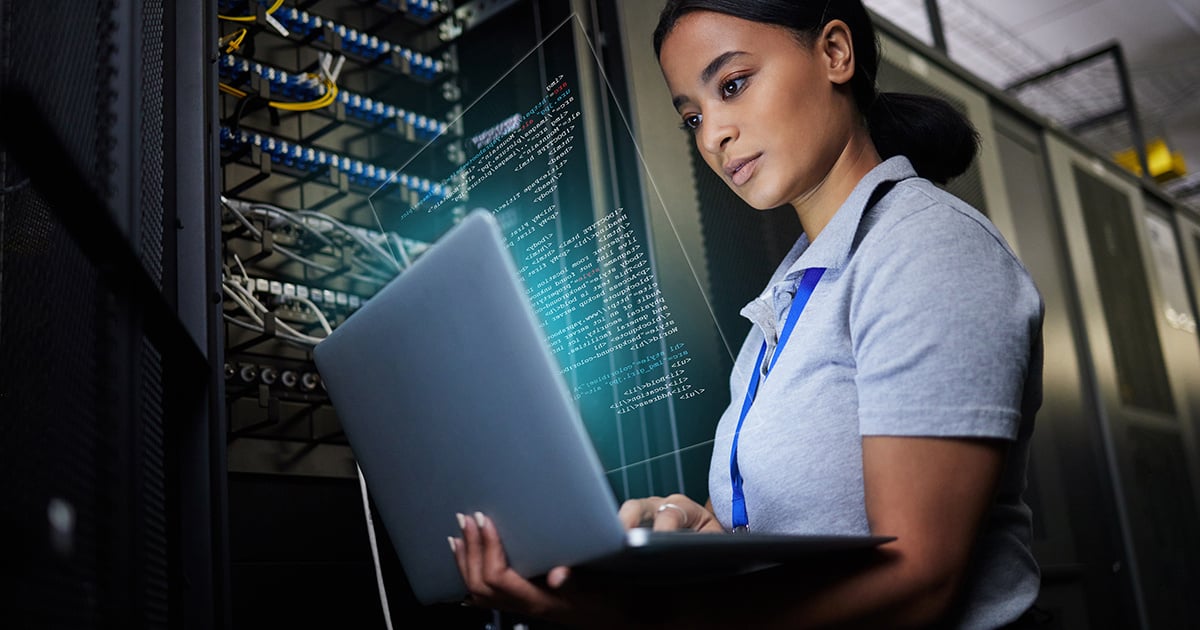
(732, 87)
(691, 122)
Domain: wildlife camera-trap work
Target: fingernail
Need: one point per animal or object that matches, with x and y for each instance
(453, 547)
(479, 519)
(462, 521)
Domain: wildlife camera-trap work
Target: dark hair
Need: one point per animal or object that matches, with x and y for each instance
(939, 141)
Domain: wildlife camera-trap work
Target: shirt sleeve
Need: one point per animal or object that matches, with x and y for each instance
(943, 328)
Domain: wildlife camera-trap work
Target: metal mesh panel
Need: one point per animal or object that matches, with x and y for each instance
(152, 138)
(50, 433)
(1086, 98)
(1168, 548)
(154, 506)
(153, 494)
(1125, 295)
(51, 345)
(74, 93)
(969, 185)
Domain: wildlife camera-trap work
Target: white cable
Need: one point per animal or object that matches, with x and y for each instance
(278, 322)
(242, 303)
(317, 311)
(400, 247)
(241, 267)
(271, 211)
(244, 221)
(383, 598)
(241, 217)
(379, 251)
(278, 335)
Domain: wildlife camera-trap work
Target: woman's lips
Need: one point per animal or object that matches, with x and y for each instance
(740, 171)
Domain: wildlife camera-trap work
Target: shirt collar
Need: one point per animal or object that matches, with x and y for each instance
(832, 249)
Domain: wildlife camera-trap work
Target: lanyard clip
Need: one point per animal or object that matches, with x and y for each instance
(741, 529)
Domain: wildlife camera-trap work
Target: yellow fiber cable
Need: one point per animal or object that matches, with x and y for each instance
(251, 18)
(233, 41)
(326, 99)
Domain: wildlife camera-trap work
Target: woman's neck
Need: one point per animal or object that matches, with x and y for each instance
(817, 208)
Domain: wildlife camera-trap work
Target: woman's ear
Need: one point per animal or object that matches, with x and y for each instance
(836, 49)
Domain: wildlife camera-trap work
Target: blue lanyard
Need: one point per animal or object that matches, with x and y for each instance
(804, 290)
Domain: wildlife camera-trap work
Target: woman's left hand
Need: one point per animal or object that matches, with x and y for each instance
(492, 583)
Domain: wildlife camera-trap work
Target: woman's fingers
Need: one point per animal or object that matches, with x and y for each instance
(670, 516)
(557, 577)
(495, 563)
(667, 513)
(492, 583)
(473, 561)
(638, 512)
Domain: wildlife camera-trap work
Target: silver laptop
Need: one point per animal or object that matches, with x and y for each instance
(453, 403)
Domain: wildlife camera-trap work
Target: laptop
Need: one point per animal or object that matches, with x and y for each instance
(452, 402)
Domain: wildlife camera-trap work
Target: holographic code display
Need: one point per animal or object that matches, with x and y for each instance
(588, 268)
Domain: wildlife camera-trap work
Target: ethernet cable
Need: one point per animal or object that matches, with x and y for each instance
(383, 277)
(252, 306)
(297, 218)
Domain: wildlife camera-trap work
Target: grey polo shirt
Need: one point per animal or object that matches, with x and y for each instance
(924, 324)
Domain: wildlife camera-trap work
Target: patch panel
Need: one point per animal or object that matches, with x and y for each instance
(309, 159)
(420, 10)
(324, 33)
(337, 302)
(309, 87)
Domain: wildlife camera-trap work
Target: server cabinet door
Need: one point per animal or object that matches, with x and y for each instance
(1143, 408)
(1068, 485)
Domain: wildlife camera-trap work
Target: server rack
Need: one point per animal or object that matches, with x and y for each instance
(319, 104)
(106, 385)
(325, 196)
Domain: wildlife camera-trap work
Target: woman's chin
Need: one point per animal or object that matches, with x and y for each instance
(762, 202)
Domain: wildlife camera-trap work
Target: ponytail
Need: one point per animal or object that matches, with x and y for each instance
(939, 141)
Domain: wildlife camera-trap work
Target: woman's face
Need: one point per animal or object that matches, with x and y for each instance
(763, 106)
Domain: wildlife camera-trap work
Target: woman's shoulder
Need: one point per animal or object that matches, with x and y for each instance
(917, 216)
(922, 238)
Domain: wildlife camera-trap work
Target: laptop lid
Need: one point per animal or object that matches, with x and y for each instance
(452, 403)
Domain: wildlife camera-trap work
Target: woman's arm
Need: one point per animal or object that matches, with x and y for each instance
(932, 494)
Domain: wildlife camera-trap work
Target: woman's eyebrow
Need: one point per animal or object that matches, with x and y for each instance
(715, 65)
(710, 71)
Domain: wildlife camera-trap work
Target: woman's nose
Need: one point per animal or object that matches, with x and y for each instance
(716, 132)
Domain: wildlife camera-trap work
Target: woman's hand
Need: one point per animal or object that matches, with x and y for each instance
(493, 584)
(560, 597)
(669, 513)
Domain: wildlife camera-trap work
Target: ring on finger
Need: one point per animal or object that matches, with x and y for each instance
(671, 506)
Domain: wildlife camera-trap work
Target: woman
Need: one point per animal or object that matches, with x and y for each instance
(898, 398)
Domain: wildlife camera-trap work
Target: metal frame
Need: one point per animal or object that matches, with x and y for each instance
(1129, 103)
